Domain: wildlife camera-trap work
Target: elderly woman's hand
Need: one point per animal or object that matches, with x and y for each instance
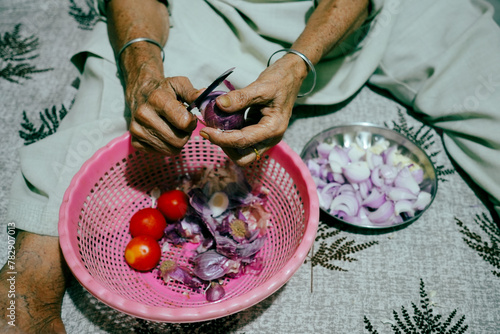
(160, 122)
(271, 97)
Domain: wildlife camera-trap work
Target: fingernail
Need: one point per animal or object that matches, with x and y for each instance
(224, 101)
(204, 135)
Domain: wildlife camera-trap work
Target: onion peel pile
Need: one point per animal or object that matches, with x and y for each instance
(221, 234)
(377, 186)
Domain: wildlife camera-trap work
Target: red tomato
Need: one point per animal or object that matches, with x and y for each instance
(173, 204)
(143, 253)
(148, 221)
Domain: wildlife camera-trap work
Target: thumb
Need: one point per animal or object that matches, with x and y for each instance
(236, 100)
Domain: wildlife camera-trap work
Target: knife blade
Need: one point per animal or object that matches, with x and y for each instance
(209, 89)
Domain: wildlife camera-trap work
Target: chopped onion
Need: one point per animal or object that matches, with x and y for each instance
(365, 188)
(347, 203)
(404, 206)
(375, 199)
(216, 118)
(370, 186)
(388, 155)
(383, 213)
(323, 150)
(373, 160)
(314, 168)
(405, 179)
(328, 192)
(423, 199)
(398, 194)
(338, 158)
(356, 172)
(388, 173)
(376, 177)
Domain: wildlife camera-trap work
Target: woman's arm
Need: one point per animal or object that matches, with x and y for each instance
(160, 122)
(130, 19)
(330, 23)
(275, 90)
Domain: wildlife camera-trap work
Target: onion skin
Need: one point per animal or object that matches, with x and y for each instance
(383, 213)
(212, 265)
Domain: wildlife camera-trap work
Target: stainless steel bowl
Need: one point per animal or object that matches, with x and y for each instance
(366, 135)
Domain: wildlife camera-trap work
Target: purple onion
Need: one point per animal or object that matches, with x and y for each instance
(216, 118)
(356, 172)
(398, 194)
(338, 158)
(376, 177)
(346, 188)
(388, 173)
(327, 193)
(314, 168)
(355, 153)
(347, 203)
(388, 155)
(404, 179)
(365, 188)
(373, 159)
(338, 177)
(211, 265)
(323, 150)
(214, 292)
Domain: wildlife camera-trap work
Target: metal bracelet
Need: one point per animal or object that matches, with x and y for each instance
(135, 40)
(308, 63)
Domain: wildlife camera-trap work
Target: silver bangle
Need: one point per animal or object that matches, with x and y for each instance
(308, 63)
(140, 39)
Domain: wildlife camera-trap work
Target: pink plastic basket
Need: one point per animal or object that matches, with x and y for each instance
(116, 182)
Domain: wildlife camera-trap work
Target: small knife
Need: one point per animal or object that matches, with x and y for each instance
(209, 89)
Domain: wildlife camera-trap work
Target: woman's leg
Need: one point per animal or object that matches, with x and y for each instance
(34, 289)
(46, 170)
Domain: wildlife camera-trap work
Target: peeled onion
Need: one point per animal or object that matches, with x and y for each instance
(216, 118)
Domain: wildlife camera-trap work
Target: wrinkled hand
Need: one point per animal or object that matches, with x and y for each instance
(271, 97)
(160, 122)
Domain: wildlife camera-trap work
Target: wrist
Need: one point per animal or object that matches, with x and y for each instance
(140, 59)
(300, 64)
(297, 65)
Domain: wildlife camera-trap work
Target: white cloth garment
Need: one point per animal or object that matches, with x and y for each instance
(439, 57)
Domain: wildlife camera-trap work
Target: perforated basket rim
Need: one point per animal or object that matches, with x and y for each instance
(206, 312)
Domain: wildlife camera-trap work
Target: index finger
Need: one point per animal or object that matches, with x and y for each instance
(170, 102)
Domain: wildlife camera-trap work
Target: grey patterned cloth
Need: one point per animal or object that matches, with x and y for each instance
(442, 269)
